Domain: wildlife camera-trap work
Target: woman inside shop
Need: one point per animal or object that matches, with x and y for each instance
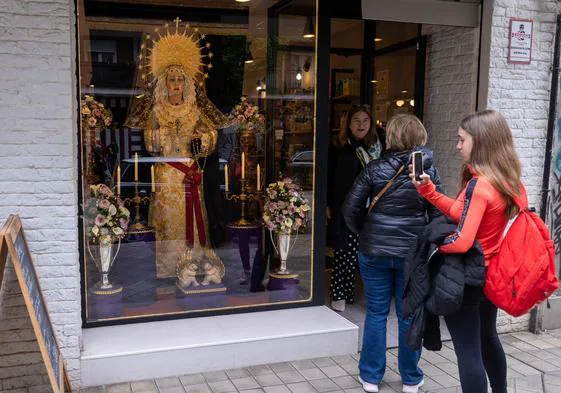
(386, 232)
(356, 145)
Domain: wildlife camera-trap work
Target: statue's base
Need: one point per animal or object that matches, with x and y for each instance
(201, 289)
(280, 281)
(201, 297)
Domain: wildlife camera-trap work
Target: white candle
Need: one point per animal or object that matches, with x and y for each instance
(135, 166)
(243, 165)
(226, 178)
(258, 177)
(152, 178)
(119, 180)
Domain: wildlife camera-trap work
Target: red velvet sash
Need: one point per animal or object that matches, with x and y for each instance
(192, 180)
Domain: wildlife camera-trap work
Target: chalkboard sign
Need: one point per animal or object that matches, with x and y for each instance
(16, 251)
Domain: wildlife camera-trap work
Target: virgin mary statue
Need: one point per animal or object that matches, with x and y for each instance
(182, 130)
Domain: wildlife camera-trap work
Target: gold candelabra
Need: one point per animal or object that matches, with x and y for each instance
(137, 201)
(244, 197)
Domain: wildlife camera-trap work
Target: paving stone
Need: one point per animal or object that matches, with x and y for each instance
(446, 380)
(192, 379)
(148, 386)
(312, 373)
(346, 382)
(345, 359)
(324, 362)
(215, 376)
(531, 383)
(303, 364)
(171, 382)
(260, 370)
(198, 388)
(245, 383)
(301, 387)
(333, 371)
(525, 369)
(351, 369)
(282, 367)
(324, 385)
(97, 389)
(291, 376)
(545, 366)
(448, 368)
(433, 370)
(119, 388)
(174, 389)
(252, 391)
(430, 385)
(276, 389)
(354, 390)
(268, 380)
(391, 376)
(222, 387)
(238, 373)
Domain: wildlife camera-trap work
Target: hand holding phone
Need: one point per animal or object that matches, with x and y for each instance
(417, 160)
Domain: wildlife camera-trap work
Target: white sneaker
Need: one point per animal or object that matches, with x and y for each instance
(367, 386)
(413, 388)
(338, 305)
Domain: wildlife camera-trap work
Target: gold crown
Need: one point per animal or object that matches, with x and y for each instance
(182, 49)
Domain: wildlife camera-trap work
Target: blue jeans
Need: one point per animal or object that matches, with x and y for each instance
(383, 279)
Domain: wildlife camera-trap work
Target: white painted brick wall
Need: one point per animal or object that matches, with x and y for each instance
(21, 365)
(521, 94)
(450, 93)
(38, 175)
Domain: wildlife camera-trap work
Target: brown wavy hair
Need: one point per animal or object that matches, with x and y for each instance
(493, 155)
(404, 132)
(345, 131)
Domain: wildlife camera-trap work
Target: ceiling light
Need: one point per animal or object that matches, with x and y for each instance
(377, 39)
(243, 1)
(400, 103)
(412, 102)
(248, 55)
(309, 30)
(298, 75)
(404, 91)
(373, 81)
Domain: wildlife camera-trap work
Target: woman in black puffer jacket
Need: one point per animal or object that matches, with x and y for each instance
(385, 236)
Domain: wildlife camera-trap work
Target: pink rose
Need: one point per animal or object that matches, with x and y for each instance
(100, 220)
(104, 204)
(120, 202)
(92, 121)
(97, 112)
(108, 121)
(124, 223)
(105, 190)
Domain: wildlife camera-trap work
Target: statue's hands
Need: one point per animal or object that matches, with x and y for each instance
(196, 146)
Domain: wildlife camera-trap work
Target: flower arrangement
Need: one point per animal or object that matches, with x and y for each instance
(94, 113)
(108, 218)
(246, 115)
(285, 209)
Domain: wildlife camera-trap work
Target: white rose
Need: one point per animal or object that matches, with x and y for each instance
(95, 230)
(118, 231)
(112, 210)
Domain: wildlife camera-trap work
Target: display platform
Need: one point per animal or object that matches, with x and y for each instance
(115, 354)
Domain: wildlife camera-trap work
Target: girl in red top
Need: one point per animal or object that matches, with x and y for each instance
(491, 181)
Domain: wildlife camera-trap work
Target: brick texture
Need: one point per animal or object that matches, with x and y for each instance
(38, 168)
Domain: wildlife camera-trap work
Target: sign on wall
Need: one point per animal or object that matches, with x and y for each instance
(520, 41)
(14, 250)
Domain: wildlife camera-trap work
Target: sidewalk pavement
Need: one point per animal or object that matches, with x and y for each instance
(534, 365)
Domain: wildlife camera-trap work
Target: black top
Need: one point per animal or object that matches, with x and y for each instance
(401, 213)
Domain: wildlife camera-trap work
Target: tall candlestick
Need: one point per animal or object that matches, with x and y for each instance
(243, 165)
(135, 166)
(258, 177)
(119, 180)
(152, 178)
(226, 178)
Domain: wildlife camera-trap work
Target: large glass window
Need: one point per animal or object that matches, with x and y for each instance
(197, 155)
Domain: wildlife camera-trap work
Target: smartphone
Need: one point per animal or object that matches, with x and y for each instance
(417, 164)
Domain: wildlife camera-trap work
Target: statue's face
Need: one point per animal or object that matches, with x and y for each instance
(175, 82)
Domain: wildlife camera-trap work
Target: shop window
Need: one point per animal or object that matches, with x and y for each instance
(197, 157)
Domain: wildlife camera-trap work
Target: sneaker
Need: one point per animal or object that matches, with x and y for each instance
(338, 305)
(413, 388)
(367, 386)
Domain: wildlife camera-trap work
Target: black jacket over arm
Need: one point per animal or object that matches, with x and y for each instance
(399, 215)
(434, 282)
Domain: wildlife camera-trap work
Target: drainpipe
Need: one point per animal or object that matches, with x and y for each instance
(536, 316)
(551, 120)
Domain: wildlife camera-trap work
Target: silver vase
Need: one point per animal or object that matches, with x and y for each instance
(284, 249)
(104, 263)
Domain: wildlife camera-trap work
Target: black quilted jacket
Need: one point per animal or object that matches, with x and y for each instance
(399, 215)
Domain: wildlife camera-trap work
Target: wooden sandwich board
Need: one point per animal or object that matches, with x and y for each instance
(14, 250)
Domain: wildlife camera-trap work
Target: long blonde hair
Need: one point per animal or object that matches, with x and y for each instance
(493, 155)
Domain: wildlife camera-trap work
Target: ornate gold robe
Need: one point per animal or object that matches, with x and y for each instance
(169, 133)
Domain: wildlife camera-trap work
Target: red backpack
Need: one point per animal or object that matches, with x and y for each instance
(522, 273)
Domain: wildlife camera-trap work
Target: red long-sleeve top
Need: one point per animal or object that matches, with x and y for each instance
(480, 218)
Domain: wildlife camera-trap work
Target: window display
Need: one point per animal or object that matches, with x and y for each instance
(197, 164)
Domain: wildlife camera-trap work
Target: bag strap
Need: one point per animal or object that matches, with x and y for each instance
(386, 187)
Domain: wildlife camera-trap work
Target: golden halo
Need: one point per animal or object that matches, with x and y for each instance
(180, 49)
